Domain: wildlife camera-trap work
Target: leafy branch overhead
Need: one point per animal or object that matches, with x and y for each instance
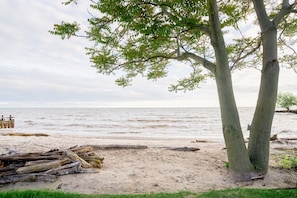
(141, 38)
(65, 29)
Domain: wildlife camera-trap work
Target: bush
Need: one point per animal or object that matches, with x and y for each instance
(286, 100)
(288, 162)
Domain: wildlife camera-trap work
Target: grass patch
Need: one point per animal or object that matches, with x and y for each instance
(248, 193)
(55, 194)
(229, 193)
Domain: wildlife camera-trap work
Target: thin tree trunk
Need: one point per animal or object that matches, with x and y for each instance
(261, 125)
(239, 161)
(260, 132)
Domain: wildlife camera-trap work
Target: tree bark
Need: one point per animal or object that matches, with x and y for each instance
(238, 157)
(259, 141)
(260, 132)
(239, 161)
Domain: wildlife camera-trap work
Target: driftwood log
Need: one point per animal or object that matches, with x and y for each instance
(25, 134)
(286, 111)
(47, 166)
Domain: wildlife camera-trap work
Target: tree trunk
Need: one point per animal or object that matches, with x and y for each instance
(239, 161)
(238, 157)
(261, 125)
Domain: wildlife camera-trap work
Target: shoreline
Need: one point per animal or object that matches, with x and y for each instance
(155, 169)
(26, 141)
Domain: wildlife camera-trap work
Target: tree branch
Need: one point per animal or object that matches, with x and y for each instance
(207, 64)
(285, 10)
(200, 27)
(239, 58)
(262, 16)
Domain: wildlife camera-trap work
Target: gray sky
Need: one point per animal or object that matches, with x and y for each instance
(39, 69)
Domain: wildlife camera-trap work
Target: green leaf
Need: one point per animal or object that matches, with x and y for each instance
(65, 30)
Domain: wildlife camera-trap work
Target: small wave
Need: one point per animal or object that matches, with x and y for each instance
(158, 126)
(29, 122)
(159, 120)
(118, 133)
(49, 125)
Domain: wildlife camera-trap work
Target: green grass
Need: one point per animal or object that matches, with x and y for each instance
(55, 194)
(229, 193)
(248, 193)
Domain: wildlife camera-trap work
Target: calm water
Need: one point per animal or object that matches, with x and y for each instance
(136, 122)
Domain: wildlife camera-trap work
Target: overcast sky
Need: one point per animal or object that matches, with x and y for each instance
(39, 69)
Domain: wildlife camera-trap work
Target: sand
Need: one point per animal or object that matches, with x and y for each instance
(155, 169)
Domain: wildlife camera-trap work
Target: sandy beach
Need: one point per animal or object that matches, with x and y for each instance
(155, 169)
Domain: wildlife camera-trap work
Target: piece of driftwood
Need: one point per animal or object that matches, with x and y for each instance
(275, 138)
(64, 170)
(184, 149)
(47, 166)
(25, 134)
(34, 177)
(30, 163)
(258, 177)
(286, 149)
(28, 157)
(75, 158)
(42, 167)
(117, 147)
(286, 111)
(82, 149)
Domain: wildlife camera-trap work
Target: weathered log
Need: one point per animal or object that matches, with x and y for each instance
(184, 149)
(88, 170)
(95, 161)
(281, 140)
(42, 167)
(117, 147)
(8, 172)
(75, 158)
(286, 111)
(81, 149)
(10, 169)
(30, 163)
(25, 134)
(65, 169)
(258, 177)
(28, 157)
(28, 178)
(290, 139)
(46, 166)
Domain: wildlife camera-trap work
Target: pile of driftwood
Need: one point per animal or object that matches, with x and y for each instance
(49, 165)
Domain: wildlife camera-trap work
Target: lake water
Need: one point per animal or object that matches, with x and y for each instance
(196, 123)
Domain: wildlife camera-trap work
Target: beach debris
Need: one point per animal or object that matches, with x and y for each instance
(184, 149)
(47, 166)
(275, 139)
(25, 134)
(201, 141)
(117, 147)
